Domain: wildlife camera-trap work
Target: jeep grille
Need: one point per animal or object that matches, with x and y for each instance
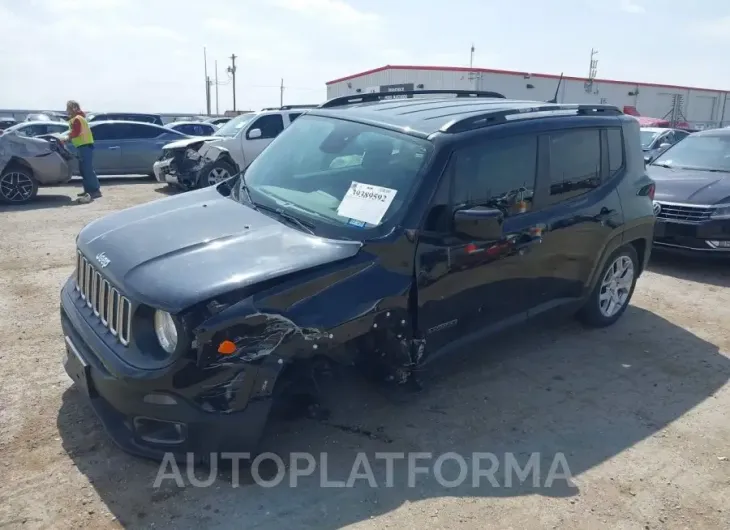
(112, 309)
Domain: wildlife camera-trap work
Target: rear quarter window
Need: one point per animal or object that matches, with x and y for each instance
(615, 150)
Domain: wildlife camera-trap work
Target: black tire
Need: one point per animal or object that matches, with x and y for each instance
(592, 313)
(205, 178)
(17, 185)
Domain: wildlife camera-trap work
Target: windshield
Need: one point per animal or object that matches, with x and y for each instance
(647, 137)
(711, 153)
(231, 128)
(339, 172)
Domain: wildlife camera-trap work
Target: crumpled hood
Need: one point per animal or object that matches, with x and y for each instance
(690, 186)
(175, 252)
(181, 144)
(12, 145)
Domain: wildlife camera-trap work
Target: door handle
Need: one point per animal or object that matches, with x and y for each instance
(113, 147)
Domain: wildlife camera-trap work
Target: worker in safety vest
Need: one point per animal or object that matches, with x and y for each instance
(81, 138)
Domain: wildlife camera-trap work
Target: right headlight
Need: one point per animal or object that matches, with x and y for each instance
(166, 331)
(721, 211)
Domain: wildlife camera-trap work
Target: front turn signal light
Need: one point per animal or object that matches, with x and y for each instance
(227, 347)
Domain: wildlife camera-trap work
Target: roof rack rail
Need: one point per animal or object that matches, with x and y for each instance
(379, 96)
(501, 116)
(291, 107)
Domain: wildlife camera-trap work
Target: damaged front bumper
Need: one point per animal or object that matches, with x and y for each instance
(165, 173)
(171, 410)
(187, 166)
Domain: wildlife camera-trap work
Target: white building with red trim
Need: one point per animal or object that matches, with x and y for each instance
(700, 107)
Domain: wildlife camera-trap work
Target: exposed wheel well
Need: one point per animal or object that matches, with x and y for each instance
(227, 158)
(640, 247)
(18, 163)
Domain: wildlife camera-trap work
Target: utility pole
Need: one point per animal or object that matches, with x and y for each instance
(207, 80)
(232, 71)
(281, 93)
(592, 72)
(216, 88)
(207, 96)
(474, 77)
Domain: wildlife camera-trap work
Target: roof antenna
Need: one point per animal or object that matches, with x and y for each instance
(557, 89)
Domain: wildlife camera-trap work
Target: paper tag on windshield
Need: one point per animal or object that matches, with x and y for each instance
(365, 202)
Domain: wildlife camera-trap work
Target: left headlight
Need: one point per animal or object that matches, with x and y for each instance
(721, 211)
(166, 331)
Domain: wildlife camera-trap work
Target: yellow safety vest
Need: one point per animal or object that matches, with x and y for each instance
(85, 138)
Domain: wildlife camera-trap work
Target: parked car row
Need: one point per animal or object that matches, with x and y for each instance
(692, 170)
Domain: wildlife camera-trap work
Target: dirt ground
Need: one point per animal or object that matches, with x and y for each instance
(640, 412)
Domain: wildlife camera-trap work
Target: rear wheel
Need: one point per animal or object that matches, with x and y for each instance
(17, 185)
(215, 173)
(614, 289)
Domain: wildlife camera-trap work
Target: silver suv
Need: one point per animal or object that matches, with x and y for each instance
(204, 161)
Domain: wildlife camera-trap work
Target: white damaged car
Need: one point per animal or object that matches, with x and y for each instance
(204, 161)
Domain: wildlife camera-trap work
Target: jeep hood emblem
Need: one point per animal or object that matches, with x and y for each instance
(103, 260)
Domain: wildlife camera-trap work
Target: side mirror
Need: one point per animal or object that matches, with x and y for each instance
(665, 146)
(484, 224)
(254, 133)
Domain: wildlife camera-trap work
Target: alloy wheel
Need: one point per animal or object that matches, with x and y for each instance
(616, 286)
(218, 174)
(16, 187)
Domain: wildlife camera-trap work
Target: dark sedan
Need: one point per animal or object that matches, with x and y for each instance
(692, 200)
(128, 148)
(155, 119)
(193, 128)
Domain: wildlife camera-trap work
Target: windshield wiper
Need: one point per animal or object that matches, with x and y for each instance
(663, 165)
(307, 227)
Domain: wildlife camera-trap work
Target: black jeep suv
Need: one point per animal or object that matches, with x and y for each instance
(374, 232)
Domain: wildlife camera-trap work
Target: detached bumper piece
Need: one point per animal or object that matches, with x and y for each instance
(142, 417)
(166, 171)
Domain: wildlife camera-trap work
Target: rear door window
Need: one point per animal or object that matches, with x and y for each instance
(615, 150)
(575, 163)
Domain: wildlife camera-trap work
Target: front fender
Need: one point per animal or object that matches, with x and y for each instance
(340, 313)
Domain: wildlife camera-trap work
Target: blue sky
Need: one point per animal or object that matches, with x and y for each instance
(147, 55)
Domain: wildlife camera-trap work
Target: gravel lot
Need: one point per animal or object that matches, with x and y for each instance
(639, 410)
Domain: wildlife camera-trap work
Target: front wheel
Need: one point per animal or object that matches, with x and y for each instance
(17, 186)
(614, 289)
(215, 173)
